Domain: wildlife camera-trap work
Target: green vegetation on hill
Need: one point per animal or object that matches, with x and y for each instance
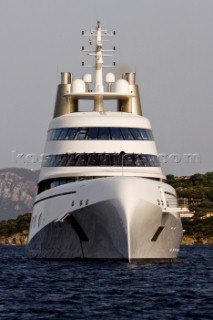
(198, 189)
(10, 227)
(199, 229)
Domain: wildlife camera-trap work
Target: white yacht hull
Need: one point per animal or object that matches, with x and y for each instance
(107, 218)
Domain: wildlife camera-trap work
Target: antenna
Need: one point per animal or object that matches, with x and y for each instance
(95, 38)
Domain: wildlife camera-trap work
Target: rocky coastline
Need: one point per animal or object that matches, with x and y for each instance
(20, 238)
(201, 241)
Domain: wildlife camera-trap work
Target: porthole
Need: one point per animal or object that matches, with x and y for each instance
(87, 201)
(81, 202)
(73, 203)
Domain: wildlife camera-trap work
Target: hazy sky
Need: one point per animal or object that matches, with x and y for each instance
(167, 42)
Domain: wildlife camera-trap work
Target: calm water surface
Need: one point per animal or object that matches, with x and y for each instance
(41, 289)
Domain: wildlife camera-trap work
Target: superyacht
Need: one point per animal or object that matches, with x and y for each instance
(101, 191)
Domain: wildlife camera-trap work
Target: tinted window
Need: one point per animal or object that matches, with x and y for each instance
(51, 161)
(92, 134)
(81, 160)
(116, 159)
(71, 160)
(136, 134)
(81, 133)
(93, 160)
(104, 159)
(57, 161)
(146, 134)
(102, 133)
(56, 133)
(63, 133)
(128, 160)
(150, 134)
(71, 133)
(138, 161)
(144, 160)
(127, 134)
(116, 134)
(63, 160)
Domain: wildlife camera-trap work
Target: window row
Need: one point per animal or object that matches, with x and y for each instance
(54, 182)
(102, 133)
(101, 159)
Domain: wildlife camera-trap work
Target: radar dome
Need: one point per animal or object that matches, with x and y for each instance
(87, 78)
(122, 86)
(110, 78)
(78, 86)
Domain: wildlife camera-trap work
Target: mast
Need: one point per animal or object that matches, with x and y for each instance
(125, 90)
(99, 61)
(98, 101)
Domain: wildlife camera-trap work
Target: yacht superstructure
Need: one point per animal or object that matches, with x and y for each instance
(101, 191)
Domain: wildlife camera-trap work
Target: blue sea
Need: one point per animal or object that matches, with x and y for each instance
(43, 289)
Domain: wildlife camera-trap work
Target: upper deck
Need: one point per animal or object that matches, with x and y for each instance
(103, 87)
(97, 142)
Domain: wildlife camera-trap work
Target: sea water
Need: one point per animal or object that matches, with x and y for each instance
(44, 289)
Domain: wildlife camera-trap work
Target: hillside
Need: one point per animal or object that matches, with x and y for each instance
(198, 189)
(17, 191)
(15, 231)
